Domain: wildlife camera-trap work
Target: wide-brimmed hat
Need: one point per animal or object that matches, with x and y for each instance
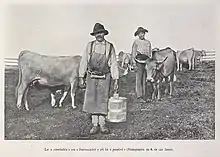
(140, 29)
(99, 28)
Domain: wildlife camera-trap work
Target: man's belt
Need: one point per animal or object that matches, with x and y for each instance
(97, 75)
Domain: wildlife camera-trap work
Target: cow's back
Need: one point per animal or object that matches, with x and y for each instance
(55, 69)
(169, 63)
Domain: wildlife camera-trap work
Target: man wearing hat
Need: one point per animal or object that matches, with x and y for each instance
(100, 64)
(141, 47)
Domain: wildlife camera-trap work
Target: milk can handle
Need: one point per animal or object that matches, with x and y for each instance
(116, 89)
(116, 95)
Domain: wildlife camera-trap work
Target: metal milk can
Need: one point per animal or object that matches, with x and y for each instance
(117, 109)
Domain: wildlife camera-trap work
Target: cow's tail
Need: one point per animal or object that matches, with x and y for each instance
(174, 75)
(19, 72)
(19, 79)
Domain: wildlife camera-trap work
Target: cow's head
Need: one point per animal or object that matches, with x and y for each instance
(199, 55)
(120, 56)
(203, 53)
(153, 68)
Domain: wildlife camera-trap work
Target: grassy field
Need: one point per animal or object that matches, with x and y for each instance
(190, 114)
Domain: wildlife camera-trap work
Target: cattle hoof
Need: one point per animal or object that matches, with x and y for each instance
(53, 103)
(74, 107)
(149, 100)
(19, 108)
(170, 96)
(159, 99)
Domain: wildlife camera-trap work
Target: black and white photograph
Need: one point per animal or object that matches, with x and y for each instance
(110, 72)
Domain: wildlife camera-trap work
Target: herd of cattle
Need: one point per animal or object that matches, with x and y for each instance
(60, 73)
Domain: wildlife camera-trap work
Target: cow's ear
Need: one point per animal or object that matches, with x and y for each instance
(120, 54)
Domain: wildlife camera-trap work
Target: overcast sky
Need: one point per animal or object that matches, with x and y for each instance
(65, 29)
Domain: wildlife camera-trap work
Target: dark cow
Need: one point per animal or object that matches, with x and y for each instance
(161, 66)
(189, 56)
(54, 72)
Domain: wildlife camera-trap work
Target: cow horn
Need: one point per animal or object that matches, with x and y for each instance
(159, 62)
(141, 61)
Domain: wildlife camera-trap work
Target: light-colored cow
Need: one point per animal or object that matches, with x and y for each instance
(189, 56)
(50, 71)
(161, 66)
(125, 61)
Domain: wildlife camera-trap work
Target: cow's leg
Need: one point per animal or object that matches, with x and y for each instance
(174, 77)
(171, 88)
(53, 101)
(25, 98)
(130, 67)
(73, 92)
(178, 64)
(122, 63)
(126, 70)
(193, 63)
(62, 99)
(153, 94)
(20, 93)
(181, 67)
(190, 64)
(167, 86)
(148, 94)
(153, 97)
(139, 80)
(19, 99)
(144, 83)
(158, 92)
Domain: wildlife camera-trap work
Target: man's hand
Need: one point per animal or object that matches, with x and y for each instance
(134, 67)
(116, 86)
